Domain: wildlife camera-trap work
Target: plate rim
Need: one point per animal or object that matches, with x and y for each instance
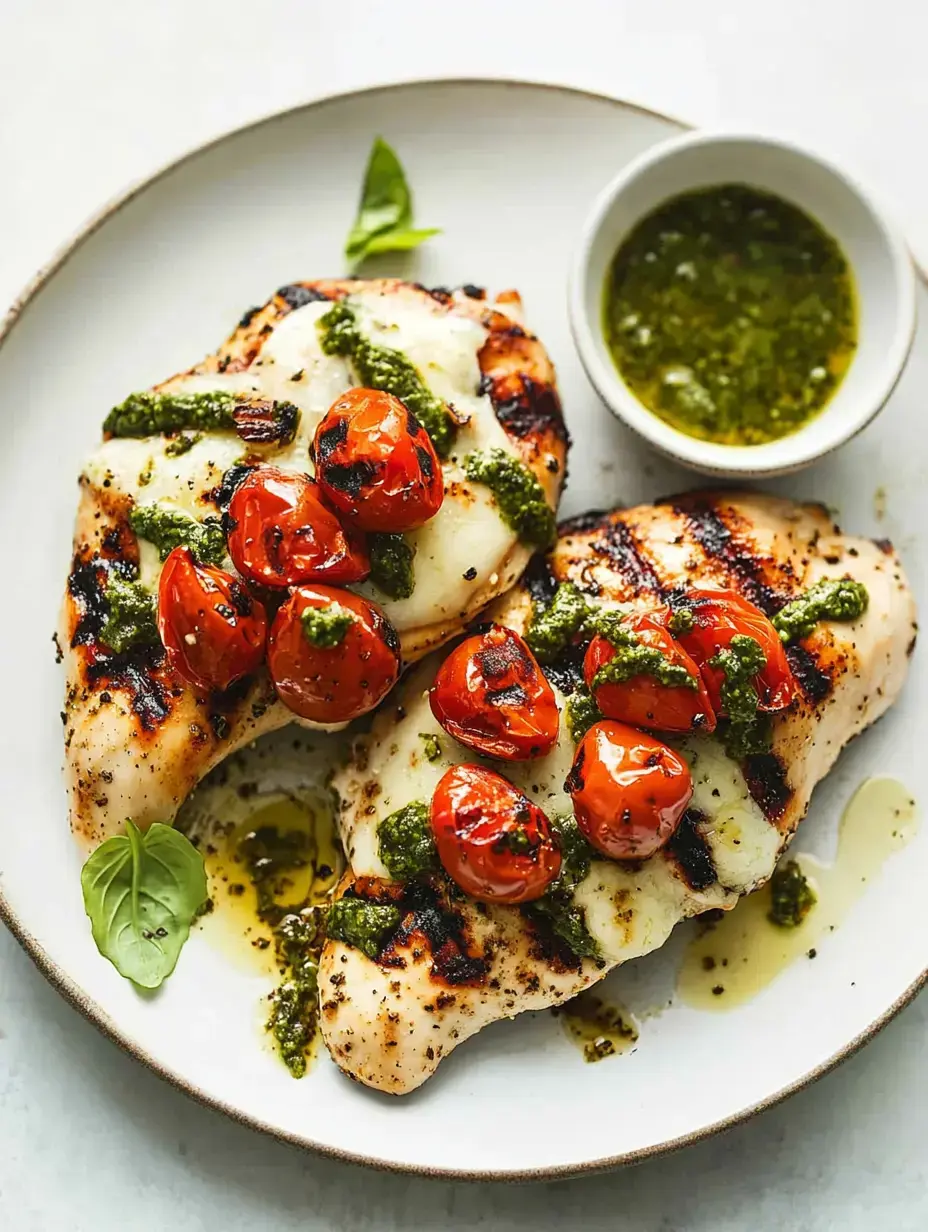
(72, 992)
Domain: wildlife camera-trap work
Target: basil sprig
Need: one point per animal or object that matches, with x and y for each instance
(384, 221)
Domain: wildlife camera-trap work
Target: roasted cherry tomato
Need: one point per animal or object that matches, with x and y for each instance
(491, 695)
(643, 701)
(376, 463)
(282, 533)
(332, 683)
(493, 841)
(721, 614)
(213, 630)
(629, 790)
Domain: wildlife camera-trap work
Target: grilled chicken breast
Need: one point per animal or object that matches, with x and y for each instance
(137, 737)
(454, 965)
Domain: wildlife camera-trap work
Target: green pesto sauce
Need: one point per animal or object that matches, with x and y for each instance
(580, 713)
(519, 495)
(182, 443)
(147, 414)
(392, 564)
(829, 599)
(431, 746)
(405, 842)
(326, 627)
(731, 315)
(130, 617)
(632, 658)
(746, 731)
(791, 896)
(556, 908)
(362, 924)
(383, 368)
(169, 528)
(554, 625)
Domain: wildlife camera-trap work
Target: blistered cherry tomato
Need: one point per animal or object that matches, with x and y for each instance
(213, 630)
(491, 695)
(643, 701)
(493, 841)
(721, 614)
(629, 790)
(332, 683)
(282, 533)
(376, 463)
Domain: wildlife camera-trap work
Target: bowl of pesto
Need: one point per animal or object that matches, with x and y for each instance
(741, 303)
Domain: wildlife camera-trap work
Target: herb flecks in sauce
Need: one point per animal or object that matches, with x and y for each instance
(519, 495)
(405, 842)
(791, 896)
(326, 627)
(600, 1029)
(731, 315)
(746, 731)
(148, 414)
(392, 564)
(362, 924)
(130, 616)
(383, 368)
(829, 599)
(554, 625)
(170, 528)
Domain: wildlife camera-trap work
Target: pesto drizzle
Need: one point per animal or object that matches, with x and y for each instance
(326, 627)
(362, 924)
(380, 367)
(791, 896)
(405, 842)
(554, 626)
(556, 908)
(632, 658)
(519, 496)
(148, 414)
(829, 599)
(392, 564)
(130, 615)
(580, 713)
(747, 731)
(170, 528)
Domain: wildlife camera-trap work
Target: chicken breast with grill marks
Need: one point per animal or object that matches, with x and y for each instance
(454, 965)
(137, 737)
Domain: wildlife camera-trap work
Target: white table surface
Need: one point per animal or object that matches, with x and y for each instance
(98, 93)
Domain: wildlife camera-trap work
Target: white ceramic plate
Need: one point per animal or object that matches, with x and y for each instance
(509, 172)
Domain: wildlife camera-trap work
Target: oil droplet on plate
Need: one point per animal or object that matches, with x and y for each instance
(598, 1027)
(734, 959)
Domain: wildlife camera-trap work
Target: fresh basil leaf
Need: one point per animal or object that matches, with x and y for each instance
(384, 216)
(141, 893)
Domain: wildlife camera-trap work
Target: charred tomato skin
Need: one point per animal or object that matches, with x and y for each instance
(332, 684)
(376, 464)
(491, 696)
(213, 630)
(629, 790)
(282, 533)
(492, 840)
(719, 615)
(643, 701)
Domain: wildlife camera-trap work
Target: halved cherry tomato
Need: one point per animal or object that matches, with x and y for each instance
(721, 614)
(213, 630)
(332, 684)
(282, 533)
(629, 790)
(493, 841)
(643, 701)
(376, 463)
(491, 695)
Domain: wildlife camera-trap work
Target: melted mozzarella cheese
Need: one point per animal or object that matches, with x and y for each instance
(630, 909)
(467, 535)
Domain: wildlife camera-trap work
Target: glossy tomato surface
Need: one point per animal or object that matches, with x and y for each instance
(282, 533)
(376, 463)
(643, 701)
(491, 695)
(719, 616)
(629, 790)
(493, 841)
(213, 630)
(332, 684)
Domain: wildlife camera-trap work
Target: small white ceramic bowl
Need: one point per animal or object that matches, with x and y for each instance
(875, 248)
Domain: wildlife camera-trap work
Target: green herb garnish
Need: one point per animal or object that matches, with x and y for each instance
(791, 896)
(326, 627)
(142, 890)
(554, 625)
(829, 599)
(362, 924)
(384, 221)
(130, 617)
(747, 731)
(169, 528)
(148, 414)
(632, 658)
(405, 841)
(182, 443)
(391, 565)
(556, 907)
(580, 713)
(432, 745)
(519, 496)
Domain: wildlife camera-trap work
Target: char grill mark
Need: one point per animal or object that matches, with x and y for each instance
(816, 683)
(583, 522)
(296, 296)
(722, 542)
(619, 545)
(691, 852)
(425, 916)
(765, 775)
(134, 672)
(525, 407)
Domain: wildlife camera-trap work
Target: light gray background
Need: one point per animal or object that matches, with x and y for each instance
(95, 94)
